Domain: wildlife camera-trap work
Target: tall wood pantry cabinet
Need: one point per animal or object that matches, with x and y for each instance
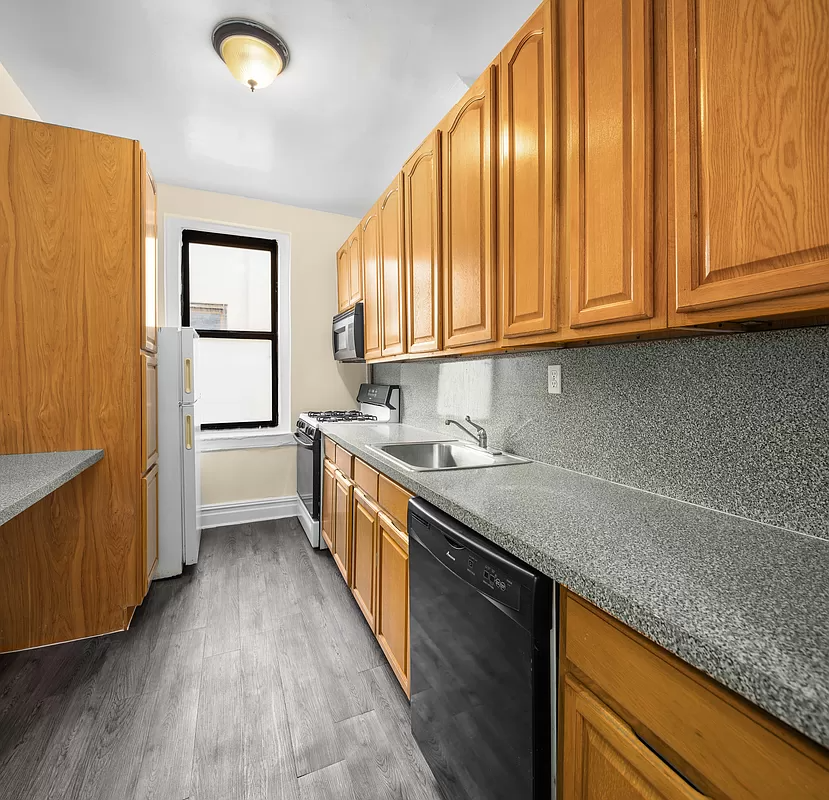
(78, 272)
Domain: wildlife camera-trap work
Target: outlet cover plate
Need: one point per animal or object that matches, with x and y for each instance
(554, 379)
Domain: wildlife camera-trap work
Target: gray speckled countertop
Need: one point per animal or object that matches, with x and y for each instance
(746, 603)
(29, 477)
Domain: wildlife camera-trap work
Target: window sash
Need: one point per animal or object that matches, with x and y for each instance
(189, 237)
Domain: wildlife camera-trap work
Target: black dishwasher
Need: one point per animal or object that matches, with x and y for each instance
(480, 662)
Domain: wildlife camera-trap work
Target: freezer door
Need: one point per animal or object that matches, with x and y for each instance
(189, 364)
(191, 482)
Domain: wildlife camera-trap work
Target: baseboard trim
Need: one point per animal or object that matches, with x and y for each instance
(218, 514)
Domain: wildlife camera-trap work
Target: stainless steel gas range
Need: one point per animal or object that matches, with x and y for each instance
(378, 404)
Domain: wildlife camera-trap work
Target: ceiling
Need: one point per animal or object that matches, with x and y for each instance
(367, 81)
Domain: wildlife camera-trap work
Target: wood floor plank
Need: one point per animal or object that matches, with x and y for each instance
(346, 692)
(313, 736)
(328, 783)
(223, 615)
(254, 608)
(268, 758)
(167, 760)
(217, 764)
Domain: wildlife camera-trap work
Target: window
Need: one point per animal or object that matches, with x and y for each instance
(229, 295)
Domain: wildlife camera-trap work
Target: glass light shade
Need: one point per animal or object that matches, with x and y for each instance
(251, 61)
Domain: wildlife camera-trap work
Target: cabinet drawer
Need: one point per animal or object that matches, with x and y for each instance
(366, 478)
(394, 500)
(344, 461)
(330, 449)
(149, 411)
(723, 743)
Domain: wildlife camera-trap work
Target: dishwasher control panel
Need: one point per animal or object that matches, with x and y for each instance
(497, 584)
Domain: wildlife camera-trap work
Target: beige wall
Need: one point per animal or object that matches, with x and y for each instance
(317, 381)
(12, 101)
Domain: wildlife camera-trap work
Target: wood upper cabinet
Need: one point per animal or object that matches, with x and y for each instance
(469, 258)
(372, 301)
(328, 490)
(149, 258)
(422, 246)
(609, 67)
(529, 177)
(392, 274)
(603, 757)
(343, 278)
(364, 554)
(392, 619)
(355, 267)
(749, 157)
(341, 550)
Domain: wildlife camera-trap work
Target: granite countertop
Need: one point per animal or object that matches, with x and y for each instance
(746, 603)
(29, 477)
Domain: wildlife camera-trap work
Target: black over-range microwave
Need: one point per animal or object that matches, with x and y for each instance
(348, 335)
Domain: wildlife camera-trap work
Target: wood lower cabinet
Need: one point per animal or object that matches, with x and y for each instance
(149, 416)
(468, 221)
(364, 555)
(749, 158)
(392, 619)
(392, 274)
(372, 300)
(422, 246)
(149, 521)
(637, 722)
(529, 177)
(341, 550)
(329, 481)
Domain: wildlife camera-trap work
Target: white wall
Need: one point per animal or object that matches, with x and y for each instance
(12, 101)
(317, 381)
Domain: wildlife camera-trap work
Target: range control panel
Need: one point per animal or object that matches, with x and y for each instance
(494, 583)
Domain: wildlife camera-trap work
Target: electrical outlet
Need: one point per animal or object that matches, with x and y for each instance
(554, 379)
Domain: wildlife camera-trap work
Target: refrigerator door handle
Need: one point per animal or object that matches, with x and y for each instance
(188, 375)
(188, 431)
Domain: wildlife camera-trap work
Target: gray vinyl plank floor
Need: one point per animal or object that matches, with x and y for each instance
(253, 676)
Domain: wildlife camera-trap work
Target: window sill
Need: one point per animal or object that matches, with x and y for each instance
(244, 439)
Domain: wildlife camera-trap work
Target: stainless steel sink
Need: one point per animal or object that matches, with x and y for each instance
(433, 456)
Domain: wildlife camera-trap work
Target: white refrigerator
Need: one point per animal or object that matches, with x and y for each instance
(179, 429)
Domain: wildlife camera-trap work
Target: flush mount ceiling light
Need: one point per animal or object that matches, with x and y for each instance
(254, 54)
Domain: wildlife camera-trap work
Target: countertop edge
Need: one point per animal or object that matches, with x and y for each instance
(756, 686)
(37, 493)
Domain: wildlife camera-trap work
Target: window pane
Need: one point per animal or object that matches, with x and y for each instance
(235, 380)
(230, 288)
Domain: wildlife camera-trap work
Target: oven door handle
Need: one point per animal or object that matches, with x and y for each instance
(302, 440)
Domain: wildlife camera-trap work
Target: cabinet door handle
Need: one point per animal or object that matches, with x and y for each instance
(188, 375)
(188, 432)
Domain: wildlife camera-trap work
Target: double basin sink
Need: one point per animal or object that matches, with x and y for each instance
(445, 455)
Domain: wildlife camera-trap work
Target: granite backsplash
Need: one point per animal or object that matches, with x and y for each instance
(734, 422)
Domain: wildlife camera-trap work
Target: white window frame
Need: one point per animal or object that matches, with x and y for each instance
(238, 438)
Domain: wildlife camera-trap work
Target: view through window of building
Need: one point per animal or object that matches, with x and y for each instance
(229, 295)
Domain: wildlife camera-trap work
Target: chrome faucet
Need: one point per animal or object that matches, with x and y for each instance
(479, 434)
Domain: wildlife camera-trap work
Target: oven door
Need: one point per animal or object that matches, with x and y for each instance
(347, 335)
(308, 472)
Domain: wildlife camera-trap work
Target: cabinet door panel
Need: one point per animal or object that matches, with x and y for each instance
(149, 525)
(528, 192)
(602, 757)
(327, 517)
(468, 223)
(393, 597)
(372, 302)
(343, 278)
(364, 549)
(342, 526)
(421, 231)
(391, 270)
(610, 171)
(149, 411)
(149, 258)
(749, 194)
(355, 268)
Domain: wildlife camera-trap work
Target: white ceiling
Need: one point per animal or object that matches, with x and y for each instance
(367, 81)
